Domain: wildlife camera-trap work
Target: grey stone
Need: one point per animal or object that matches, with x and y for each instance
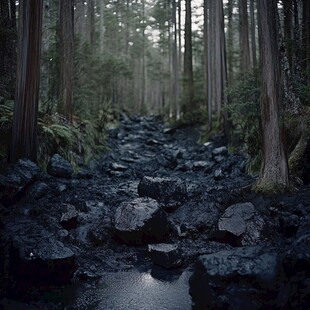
(140, 221)
(243, 278)
(165, 255)
(240, 225)
(163, 189)
(69, 217)
(59, 167)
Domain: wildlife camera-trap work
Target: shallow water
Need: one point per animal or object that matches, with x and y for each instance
(154, 289)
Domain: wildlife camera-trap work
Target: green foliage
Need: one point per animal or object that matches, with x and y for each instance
(244, 117)
(77, 142)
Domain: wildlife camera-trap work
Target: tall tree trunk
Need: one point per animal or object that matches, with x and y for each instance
(230, 41)
(306, 40)
(245, 65)
(91, 23)
(253, 34)
(65, 106)
(24, 132)
(188, 62)
(274, 175)
(102, 29)
(7, 48)
(205, 50)
(80, 21)
(288, 28)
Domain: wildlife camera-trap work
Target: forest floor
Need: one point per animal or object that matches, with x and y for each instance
(63, 228)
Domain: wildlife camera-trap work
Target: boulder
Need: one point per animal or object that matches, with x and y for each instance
(59, 167)
(69, 217)
(140, 221)
(164, 190)
(165, 255)
(240, 225)
(36, 256)
(17, 179)
(242, 278)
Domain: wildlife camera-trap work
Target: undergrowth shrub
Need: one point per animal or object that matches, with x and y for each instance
(78, 141)
(244, 117)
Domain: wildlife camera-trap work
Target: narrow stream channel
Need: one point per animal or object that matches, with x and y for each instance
(153, 289)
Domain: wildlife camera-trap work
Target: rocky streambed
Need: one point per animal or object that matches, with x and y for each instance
(159, 222)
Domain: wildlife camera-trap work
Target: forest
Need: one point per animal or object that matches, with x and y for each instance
(156, 146)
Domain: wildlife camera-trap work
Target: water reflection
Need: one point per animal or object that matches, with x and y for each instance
(133, 290)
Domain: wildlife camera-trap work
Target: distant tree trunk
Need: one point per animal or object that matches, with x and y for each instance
(245, 65)
(220, 70)
(80, 21)
(253, 34)
(306, 40)
(65, 105)
(274, 175)
(91, 23)
(230, 41)
(205, 51)
(211, 71)
(288, 28)
(175, 60)
(188, 62)
(7, 48)
(102, 29)
(24, 132)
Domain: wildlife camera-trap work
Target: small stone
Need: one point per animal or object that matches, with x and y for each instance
(165, 255)
(59, 167)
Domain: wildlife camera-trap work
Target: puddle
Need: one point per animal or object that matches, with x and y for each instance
(154, 289)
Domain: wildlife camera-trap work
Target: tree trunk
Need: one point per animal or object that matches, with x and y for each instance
(205, 51)
(288, 28)
(306, 40)
(91, 23)
(65, 106)
(245, 65)
(24, 132)
(7, 48)
(274, 175)
(102, 29)
(253, 34)
(188, 62)
(230, 41)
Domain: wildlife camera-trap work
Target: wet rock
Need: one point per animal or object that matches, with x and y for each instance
(218, 174)
(118, 167)
(165, 255)
(240, 225)
(37, 190)
(59, 167)
(140, 221)
(17, 179)
(201, 165)
(163, 189)
(69, 218)
(243, 278)
(220, 151)
(37, 257)
(100, 231)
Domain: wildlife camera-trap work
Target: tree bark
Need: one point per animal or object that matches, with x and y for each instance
(24, 132)
(274, 175)
(188, 62)
(65, 106)
(253, 34)
(245, 65)
(102, 29)
(7, 48)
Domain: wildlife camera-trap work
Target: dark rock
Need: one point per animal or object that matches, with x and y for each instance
(140, 221)
(240, 225)
(165, 255)
(84, 174)
(220, 151)
(118, 167)
(37, 190)
(218, 174)
(163, 189)
(100, 231)
(17, 179)
(59, 167)
(289, 224)
(37, 257)
(243, 278)
(152, 142)
(69, 217)
(201, 165)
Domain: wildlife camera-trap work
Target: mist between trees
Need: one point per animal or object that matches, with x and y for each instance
(243, 71)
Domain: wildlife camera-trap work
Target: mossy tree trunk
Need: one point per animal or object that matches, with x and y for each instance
(274, 175)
